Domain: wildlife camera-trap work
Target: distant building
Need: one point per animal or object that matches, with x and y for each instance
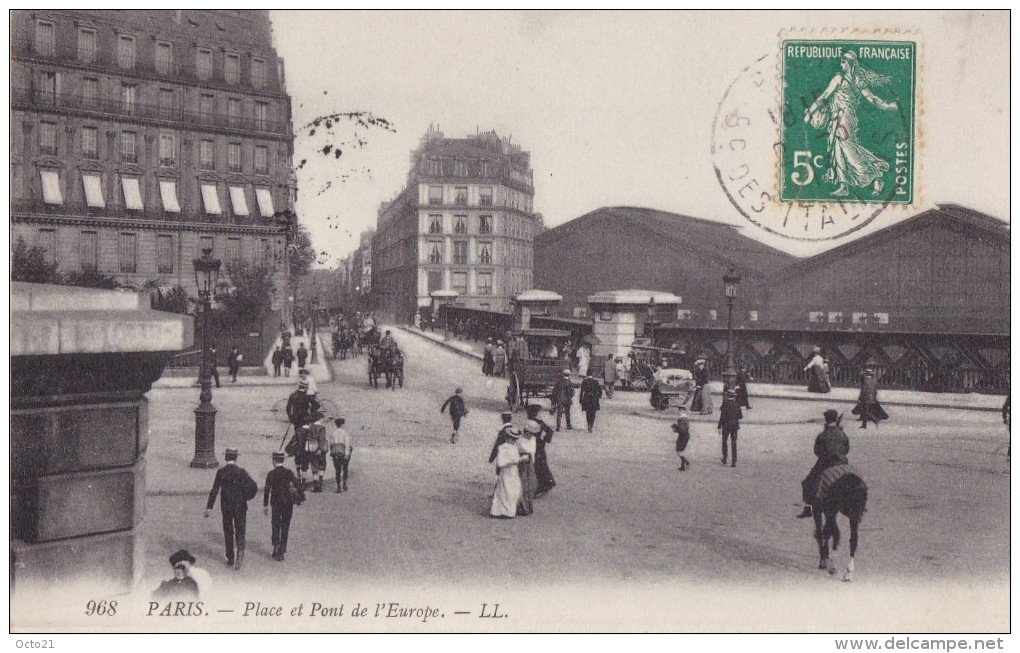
(140, 138)
(616, 248)
(464, 222)
(360, 279)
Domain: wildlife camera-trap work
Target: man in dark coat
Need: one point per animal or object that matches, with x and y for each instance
(277, 361)
(729, 424)
(867, 401)
(235, 488)
(831, 448)
(277, 494)
(457, 410)
(214, 361)
(302, 355)
(234, 363)
(487, 357)
(563, 397)
(288, 359)
(591, 392)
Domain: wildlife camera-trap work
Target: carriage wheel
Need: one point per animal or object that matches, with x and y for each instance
(513, 392)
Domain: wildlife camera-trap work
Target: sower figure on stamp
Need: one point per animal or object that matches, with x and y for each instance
(281, 491)
(235, 488)
(835, 111)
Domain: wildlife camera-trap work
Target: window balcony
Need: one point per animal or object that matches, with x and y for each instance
(22, 98)
(152, 211)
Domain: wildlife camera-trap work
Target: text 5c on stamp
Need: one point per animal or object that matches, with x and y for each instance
(848, 129)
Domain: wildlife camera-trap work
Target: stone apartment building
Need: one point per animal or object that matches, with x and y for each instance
(465, 221)
(141, 137)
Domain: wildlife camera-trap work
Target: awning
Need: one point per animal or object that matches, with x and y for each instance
(238, 201)
(132, 193)
(51, 187)
(265, 200)
(93, 190)
(168, 191)
(211, 199)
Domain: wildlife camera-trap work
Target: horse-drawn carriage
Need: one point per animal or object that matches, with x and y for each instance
(645, 359)
(533, 370)
(672, 388)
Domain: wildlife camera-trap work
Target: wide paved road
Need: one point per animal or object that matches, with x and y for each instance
(623, 521)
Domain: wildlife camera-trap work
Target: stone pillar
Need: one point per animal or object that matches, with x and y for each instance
(619, 317)
(81, 363)
(533, 302)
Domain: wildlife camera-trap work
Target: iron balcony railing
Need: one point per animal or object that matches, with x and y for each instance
(148, 213)
(38, 99)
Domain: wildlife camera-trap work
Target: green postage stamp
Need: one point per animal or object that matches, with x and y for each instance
(848, 121)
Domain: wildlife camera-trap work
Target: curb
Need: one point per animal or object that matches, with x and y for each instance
(441, 343)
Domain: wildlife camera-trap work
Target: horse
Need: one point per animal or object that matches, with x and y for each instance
(847, 495)
(392, 363)
(375, 367)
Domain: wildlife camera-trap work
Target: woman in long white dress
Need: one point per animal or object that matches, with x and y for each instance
(508, 488)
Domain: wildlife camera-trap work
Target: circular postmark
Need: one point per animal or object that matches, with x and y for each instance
(751, 161)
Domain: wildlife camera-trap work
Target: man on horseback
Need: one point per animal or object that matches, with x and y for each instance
(831, 447)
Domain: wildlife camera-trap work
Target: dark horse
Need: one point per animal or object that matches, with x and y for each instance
(375, 365)
(393, 367)
(847, 495)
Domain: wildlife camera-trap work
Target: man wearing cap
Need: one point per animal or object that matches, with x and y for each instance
(235, 488)
(831, 448)
(563, 398)
(301, 405)
(457, 410)
(729, 424)
(181, 586)
(340, 450)
(591, 392)
(277, 494)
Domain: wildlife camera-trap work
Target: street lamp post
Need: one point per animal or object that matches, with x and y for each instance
(730, 282)
(315, 329)
(207, 270)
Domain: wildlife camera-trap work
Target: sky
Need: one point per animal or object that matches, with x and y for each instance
(616, 108)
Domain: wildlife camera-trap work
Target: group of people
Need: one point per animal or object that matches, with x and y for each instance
(522, 468)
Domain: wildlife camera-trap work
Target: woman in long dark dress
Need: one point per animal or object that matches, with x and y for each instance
(740, 385)
(867, 406)
(543, 437)
(526, 448)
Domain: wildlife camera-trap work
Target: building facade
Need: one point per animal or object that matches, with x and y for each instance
(464, 222)
(141, 138)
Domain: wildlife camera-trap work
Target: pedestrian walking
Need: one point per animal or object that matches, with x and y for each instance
(487, 357)
(563, 398)
(506, 421)
(340, 450)
(235, 488)
(302, 356)
(543, 474)
(526, 447)
(317, 446)
(214, 362)
(282, 493)
(682, 428)
(507, 493)
(277, 361)
(583, 359)
(867, 407)
(591, 392)
(499, 360)
(288, 360)
(609, 376)
(818, 377)
(234, 363)
(740, 385)
(832, 446)
(457, 411)
(702, 401)
(729, 424)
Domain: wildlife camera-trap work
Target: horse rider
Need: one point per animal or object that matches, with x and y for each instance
(387, 341)
(831, 448)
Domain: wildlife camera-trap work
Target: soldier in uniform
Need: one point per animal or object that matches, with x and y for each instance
(277, 494)
(235, 487)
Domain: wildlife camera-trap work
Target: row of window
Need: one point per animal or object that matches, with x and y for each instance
(45, 45)
(460, 224)
(167, 150)
(92, 183)
(459, 282)
(483, 253)
(166, 250)
(463, 196)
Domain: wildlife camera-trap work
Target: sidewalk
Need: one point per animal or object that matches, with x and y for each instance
(972, 401)
(321, 370)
